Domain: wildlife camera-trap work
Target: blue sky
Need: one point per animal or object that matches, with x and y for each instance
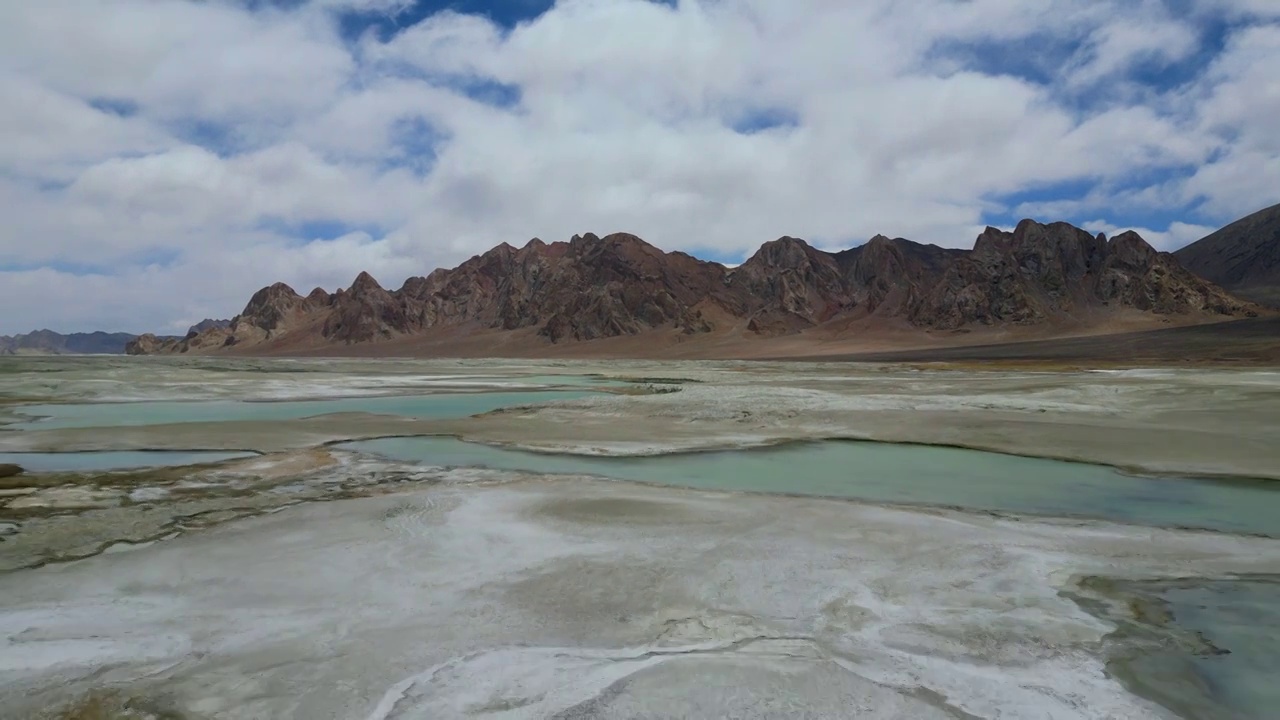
(503, 13)
(166, 158)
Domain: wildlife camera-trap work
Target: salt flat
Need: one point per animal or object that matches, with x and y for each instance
(230, 590)
(530, 598)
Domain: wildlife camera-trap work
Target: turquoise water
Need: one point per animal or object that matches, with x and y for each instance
(1204, 648)
(113, 460)
(437, 406)
(898, 474)
(1243, 618)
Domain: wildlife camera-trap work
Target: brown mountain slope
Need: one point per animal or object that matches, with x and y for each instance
(1238, 342)
(1243, 257)
(1052, 278)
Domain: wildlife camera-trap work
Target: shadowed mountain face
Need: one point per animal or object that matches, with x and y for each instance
(48, 342)
(592, 288)
(1243, 257)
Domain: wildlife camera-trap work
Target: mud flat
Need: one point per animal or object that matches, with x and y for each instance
(535, 598)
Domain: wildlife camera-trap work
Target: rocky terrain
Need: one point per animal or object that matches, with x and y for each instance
(1243, 257)
(593, 288)
(48, 342)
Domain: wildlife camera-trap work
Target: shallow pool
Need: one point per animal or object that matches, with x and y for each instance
(890, 473)
(1224, 656)
(1242, 618)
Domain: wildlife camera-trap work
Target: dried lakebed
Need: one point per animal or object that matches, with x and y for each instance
(454, 579)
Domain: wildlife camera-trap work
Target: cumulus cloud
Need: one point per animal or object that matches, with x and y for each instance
(1154, 37)
(168, 157)
(1172, 238)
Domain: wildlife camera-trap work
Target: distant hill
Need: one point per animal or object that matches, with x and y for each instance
(48, 342)
(543, 297)
(1243, 257)
(208, 324)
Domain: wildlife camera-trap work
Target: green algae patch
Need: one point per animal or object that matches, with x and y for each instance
(109, 705)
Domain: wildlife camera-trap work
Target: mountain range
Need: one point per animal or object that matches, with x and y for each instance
(1243, 257)
(618, 295)
(48, 342)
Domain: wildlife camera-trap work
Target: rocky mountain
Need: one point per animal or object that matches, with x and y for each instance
(48, 342)
(1243, 257)
(592, 288)
(208, 324)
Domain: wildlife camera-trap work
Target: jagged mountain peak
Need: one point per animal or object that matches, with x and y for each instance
(1130, 248)
(614, 241)
(786, 252)
(364, 283)
(272, 293)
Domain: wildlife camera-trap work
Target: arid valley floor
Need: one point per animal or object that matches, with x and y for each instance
(253, 538)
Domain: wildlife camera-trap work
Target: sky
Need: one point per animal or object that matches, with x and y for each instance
(163, 159)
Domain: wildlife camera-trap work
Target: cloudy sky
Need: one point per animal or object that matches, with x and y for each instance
(163, 159)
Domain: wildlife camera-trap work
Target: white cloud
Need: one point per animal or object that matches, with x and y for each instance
(1240, 99)
(49, 135)
(1173, 237)
(181, 61)
(218, 127)
(1114, 48)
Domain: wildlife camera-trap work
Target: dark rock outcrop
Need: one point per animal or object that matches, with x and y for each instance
(888, 276)
(272, 308)
(1038, 272)
(616, 285)
(788, 286)
(363, 313)
(1243, 257)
